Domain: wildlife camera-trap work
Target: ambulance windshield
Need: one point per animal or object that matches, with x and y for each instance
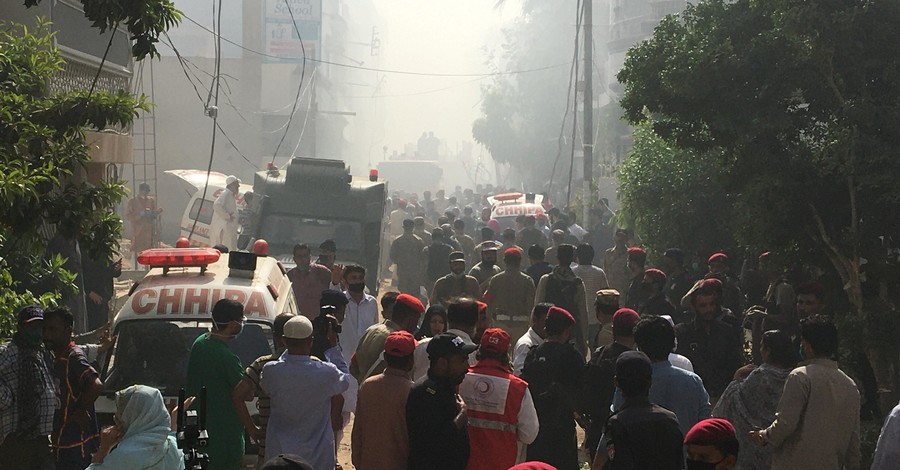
(156, 352)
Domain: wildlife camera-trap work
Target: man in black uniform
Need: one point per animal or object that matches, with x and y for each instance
(599, 375)
(654, 285)
(435, 415)
(553, 372)
(641, 435)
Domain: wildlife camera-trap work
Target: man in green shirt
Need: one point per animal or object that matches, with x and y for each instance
(214, 366)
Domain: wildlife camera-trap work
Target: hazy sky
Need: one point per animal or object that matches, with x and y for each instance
(440, 36)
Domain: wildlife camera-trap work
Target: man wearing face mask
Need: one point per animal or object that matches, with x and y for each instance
(214, 366)
(711, 445)
(455, 284)
(436, 419)
(27, 397)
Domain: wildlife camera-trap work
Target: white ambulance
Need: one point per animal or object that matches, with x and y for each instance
(506, 207)
(170, 307)
(199, 211)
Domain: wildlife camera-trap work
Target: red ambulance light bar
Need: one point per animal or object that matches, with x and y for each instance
(508, 197)
(178, 258)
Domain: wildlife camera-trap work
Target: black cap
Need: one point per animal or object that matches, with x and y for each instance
(457, 256)
(446, 344)
(328, 245)
(31, 313)
(409, 223)
(633, 366)
(332, 297)
(287, 462)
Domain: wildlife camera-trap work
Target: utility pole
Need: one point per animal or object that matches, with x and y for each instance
(588, 137)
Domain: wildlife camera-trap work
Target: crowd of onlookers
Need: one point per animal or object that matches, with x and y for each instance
(495, 346)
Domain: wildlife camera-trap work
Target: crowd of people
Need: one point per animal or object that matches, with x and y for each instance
(552, 327)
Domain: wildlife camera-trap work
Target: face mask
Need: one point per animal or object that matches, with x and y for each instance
(33, 338)
(698, 465)
(356, 287)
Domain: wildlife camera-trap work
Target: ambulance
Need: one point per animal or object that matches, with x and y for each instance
(199, 211)
(506, 207)
(170, 307)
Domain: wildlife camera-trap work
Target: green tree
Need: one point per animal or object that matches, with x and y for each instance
(803, 98)
(675, 197)
(42, 146)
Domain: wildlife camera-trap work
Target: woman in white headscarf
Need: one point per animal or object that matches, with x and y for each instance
(142, 437)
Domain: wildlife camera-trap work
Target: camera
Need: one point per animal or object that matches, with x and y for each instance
(191, 433)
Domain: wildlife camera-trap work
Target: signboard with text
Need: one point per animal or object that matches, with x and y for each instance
(282, 34)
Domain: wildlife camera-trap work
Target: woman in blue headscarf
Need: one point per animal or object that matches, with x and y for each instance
(142, 437)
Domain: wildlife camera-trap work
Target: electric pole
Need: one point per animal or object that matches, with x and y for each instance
(588, 137)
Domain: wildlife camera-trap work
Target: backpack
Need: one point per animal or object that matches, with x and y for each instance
(562, 293)
(540, 371)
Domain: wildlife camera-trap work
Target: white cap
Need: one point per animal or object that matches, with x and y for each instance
(232, 179)
(298, 327)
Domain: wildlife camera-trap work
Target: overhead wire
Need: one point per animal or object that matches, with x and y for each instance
(214, 113)
(299, 86)
(374, 69)
(578, 17)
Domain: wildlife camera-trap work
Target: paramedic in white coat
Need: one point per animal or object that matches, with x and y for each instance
(225, 223)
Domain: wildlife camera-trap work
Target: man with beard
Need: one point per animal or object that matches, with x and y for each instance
(487, 268)
(456, 283)
(436, 418)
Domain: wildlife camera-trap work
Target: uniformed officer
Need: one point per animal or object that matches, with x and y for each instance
(641, 434)
(510, 296)
(436, 419)
(406, 252)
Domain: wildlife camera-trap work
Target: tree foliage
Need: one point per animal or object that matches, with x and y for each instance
(145, 20)
(42, 147)
(802, 100)
(675, 197)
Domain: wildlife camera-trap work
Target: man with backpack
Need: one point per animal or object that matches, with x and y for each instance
(566, 290)
(599, 386)
(553, 371)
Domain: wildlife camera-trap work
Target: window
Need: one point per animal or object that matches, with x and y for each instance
(205, 215)
(156, 352)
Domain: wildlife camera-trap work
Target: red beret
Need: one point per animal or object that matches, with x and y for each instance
(411, 302)
(718, 257)
(655, 275)
(401, 201)
(710, 431)
(625, 318)
(399, 344)
(512, 252)
(533, 466)
(713, 283)
(635, 250)
(765, 255)
(481, 306)
(560, 313)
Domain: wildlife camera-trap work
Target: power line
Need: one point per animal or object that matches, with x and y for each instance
(562, 126)
(299, 86)
(373, 69)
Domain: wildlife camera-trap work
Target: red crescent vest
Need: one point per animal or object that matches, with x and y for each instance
(493, 397)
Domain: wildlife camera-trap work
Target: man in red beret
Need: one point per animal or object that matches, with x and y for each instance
(654, 287)
(368, 359)
(380, 440)
(553, 371)
(500, 407)
(711, 444)
(599, 376)
(635, 297)
(732, 298)
(510, 296)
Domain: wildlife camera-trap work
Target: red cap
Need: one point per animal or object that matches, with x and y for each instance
(655, 275)
(399, 344)
(635, 250)
(560, 313)
(625, 318)
(495, 340)
(411, 302)
(717, 258)
(183, 242)
(513, 252)
(710, 431)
